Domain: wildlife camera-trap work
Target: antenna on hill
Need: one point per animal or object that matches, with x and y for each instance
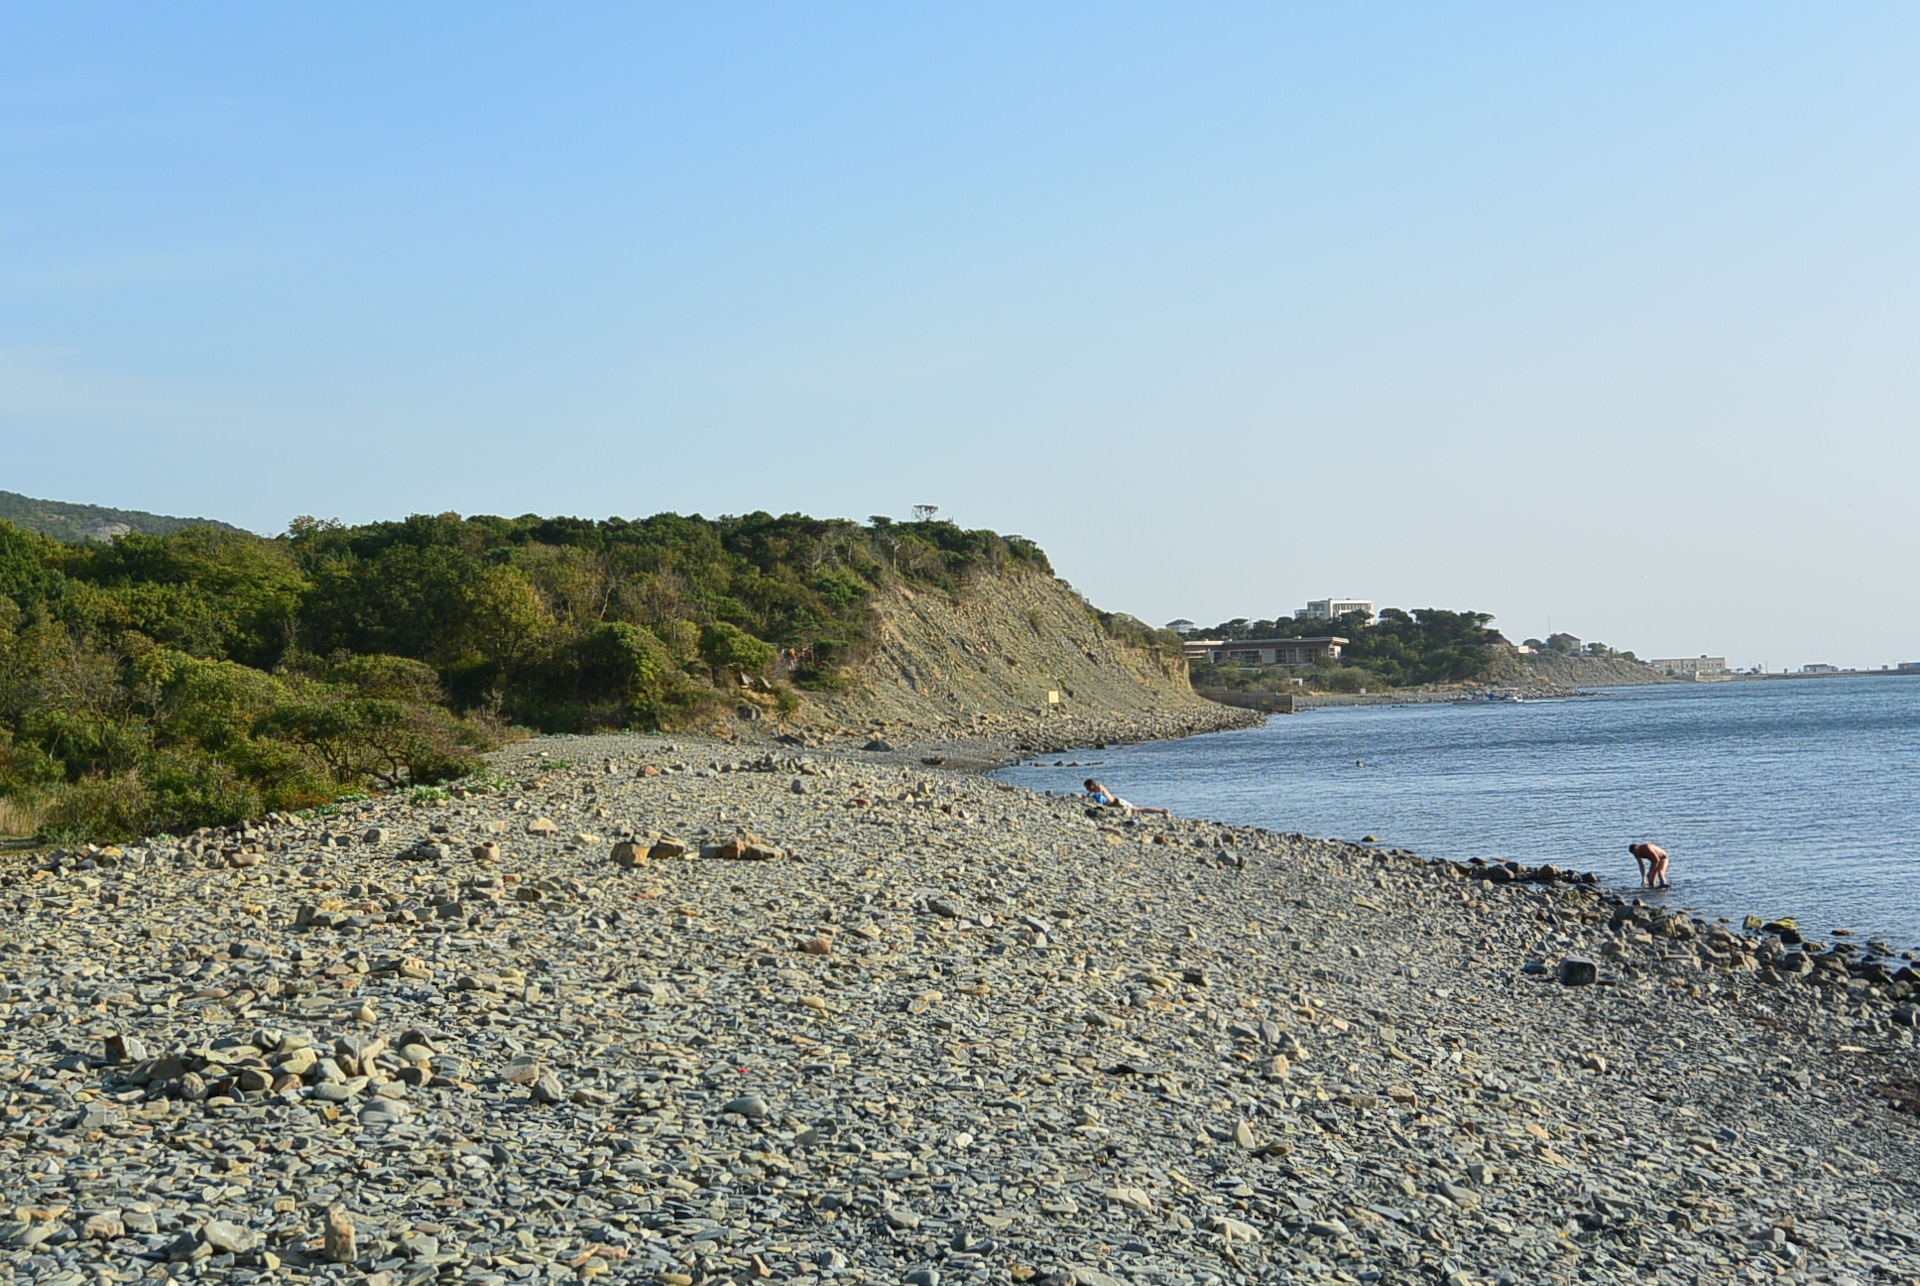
(925, 513)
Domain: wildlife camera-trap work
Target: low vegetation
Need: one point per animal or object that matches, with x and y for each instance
(162, 682)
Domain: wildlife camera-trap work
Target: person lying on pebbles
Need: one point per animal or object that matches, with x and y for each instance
(1101, 795)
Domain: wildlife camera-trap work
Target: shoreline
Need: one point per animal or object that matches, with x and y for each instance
(988, 751)
(954, 1031)
(1750, 923)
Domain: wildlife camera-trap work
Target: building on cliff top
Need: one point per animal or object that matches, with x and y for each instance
(1264, 651)
(1332, 609)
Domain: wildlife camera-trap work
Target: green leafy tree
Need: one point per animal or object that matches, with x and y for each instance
(28, 576)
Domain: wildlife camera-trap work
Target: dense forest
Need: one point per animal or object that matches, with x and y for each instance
(1396, 649)
(160, 682)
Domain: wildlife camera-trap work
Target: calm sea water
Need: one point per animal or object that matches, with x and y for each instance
(1775, 798)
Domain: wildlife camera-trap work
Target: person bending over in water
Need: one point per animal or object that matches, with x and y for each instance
(1101, 795)
(1652, 860)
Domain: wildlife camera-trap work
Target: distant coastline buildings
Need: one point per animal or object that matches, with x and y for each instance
(1698, 667)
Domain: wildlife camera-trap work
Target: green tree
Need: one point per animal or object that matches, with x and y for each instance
(28, 576)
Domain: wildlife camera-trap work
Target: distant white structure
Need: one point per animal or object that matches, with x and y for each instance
(1819, 669)
(1180, 626)
(1700, 667)
(1329, 609)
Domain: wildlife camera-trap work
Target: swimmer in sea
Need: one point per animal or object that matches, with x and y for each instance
(1652, 860)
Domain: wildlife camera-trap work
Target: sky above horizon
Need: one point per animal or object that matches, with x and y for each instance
(1604, 317)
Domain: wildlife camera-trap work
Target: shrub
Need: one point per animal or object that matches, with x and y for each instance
(727, 647)
(1343, 678)
(185, 789)
(100, 808)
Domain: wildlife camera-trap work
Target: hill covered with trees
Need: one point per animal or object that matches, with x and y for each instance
(71, 522)
(1396, 649)
(158, 682)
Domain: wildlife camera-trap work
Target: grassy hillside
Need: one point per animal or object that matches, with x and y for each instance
(167, 681)
(75, 523)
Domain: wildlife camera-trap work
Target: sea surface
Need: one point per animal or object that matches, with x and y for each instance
(1775, 798)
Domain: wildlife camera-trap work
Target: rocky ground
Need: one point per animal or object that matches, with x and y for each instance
(945, 1031)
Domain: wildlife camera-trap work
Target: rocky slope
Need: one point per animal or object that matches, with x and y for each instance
(984, 662)
(1585, 671)
(953, 1032)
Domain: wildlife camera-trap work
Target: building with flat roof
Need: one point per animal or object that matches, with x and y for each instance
(1329, 609)
(1265, 651)
(1700, 667)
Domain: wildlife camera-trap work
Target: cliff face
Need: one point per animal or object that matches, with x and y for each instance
(946, 664)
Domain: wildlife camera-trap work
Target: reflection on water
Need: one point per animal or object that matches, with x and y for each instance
(1785, 797)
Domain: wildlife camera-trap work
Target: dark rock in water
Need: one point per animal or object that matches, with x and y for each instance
(1499, 875)
(876, 744)
(1577, 971)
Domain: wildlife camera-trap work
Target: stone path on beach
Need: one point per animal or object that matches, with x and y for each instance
(947, 1031)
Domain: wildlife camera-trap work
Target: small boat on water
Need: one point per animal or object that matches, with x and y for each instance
(1506, 696)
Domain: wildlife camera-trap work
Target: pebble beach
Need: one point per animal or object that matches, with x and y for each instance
(665, 1010)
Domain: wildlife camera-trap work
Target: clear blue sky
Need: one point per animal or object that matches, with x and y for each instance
(1603, 312)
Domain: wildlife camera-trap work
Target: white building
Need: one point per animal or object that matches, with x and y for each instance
(1700, 667)
(1329, 609)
